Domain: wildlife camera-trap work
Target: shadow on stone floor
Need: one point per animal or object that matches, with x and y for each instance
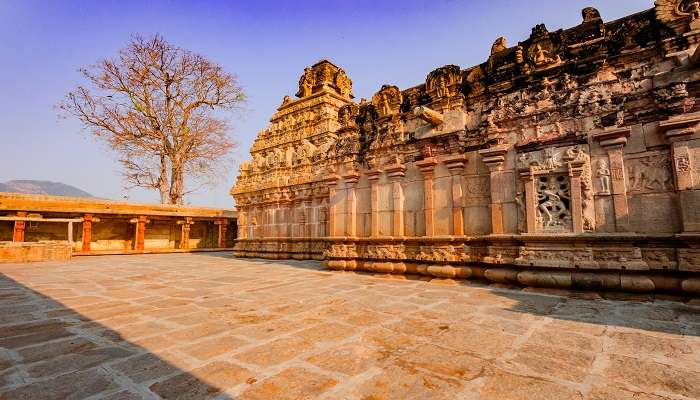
(671, 317)
(51, 351)
(303, 264)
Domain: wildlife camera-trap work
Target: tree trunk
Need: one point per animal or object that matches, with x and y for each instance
(177, 186)
(163, 184)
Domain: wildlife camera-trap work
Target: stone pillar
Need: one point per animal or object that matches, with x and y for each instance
(87, 231)
(185, 232)
(494, 158)
(427, 168)
(332, 182)
(241, 223)
(306, 226)
(223, 228)
(455, 164)
(18, 232)
(351, 204)
(140, 234)
(530, 200)
(613, 141)
(374, 201)
(679, 131)
(575, 171)
(396, 172)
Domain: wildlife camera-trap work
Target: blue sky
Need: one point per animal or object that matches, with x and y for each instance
(266, 43)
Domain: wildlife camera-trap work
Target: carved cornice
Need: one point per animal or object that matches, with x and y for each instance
(612, 137)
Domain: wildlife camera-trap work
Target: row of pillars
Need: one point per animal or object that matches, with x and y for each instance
(283, 219)
(140, 222)
(396, 172)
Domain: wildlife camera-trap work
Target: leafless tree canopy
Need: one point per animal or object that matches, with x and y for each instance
(156, 105)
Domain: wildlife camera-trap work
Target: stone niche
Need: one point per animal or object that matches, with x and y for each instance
(570, 159)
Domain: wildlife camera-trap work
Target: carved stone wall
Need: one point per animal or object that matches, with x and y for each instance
(571, 159)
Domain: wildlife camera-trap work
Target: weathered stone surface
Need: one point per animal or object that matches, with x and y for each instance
(303, 333)
(558, 162)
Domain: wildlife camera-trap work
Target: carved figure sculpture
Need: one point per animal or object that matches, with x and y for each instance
(551, 202)
(499, 45)
(306, 82)
(590, 14)
(603, 173)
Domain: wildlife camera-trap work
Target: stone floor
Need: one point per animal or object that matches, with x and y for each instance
(192, 326)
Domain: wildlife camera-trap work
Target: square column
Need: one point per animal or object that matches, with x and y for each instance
(351, 204)
(575, 171)
(223, 228)
(374, 201)
(614, 141)
(139, 231)
(494, 158)
(455, 164)
(18, 231)
(87, 231)
(427, 168)
(332, 182)
(396, 173)
(306, 210)
(185, 232)
(530, 201)
(681, 131)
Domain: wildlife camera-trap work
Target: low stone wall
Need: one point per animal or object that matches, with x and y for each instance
(615, 262)
(18, 252)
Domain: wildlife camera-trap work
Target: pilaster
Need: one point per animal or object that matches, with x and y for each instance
(455, 164)
(351, 180)
(494, 158)
(427, 168)
(614, 141)
(396, 172)
(680, 131)
(373, 177)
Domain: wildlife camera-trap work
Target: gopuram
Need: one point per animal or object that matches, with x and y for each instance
(569, 160)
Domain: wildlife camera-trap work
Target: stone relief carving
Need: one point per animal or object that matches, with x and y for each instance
(650, 173)
(670, 10)
(387, 101)
(553, 203)
(603, 174)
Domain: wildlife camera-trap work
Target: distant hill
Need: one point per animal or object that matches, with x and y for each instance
(42, 187)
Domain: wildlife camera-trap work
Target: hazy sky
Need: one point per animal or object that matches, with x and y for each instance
(266, 43)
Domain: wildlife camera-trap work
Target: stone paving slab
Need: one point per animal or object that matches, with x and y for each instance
(195, 326)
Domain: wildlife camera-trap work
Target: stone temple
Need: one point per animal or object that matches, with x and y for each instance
(570, 159)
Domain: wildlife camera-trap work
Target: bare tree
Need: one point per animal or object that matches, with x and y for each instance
(158, 107)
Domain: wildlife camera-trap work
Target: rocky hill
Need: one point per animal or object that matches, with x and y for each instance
(42, 187)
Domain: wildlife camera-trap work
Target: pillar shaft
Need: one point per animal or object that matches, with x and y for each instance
(140, 233)
(18, 231)
(427, 167)
(87, 231)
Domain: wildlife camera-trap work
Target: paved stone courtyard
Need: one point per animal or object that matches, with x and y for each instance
(192, 326)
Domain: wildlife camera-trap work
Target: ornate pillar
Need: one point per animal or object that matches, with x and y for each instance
(241, 223)
(679, 131)
(614, 141)
(306, 210)
(530, 200)
(140, 231)
(373, 176)
(185, 232)
(455, 164)
(332, 182)
(87, 231)
(494, 158)
(396, 172)
(351, 203)
(575, 171)
(18, 231)
(223, 228)
(427, 168)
